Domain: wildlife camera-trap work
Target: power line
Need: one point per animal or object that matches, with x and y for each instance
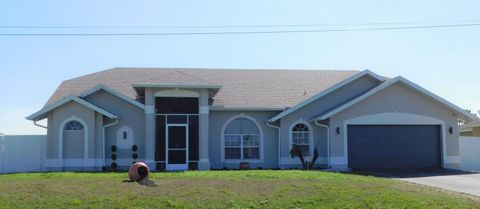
(231, 26)
(244, 32)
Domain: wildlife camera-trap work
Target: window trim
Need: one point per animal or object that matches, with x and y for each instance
(242, 146)
(222, 141)
(60, 138)
(68, 123)
(310, 135)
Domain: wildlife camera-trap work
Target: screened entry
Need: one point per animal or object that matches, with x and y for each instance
(176, 133)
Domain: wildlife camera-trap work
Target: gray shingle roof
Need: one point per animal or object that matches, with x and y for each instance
(240, 88)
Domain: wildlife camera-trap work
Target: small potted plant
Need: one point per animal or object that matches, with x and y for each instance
(244, 165)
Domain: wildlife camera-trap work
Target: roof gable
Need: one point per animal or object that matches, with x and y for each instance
(113, 92)
(399, 79)
(41, 113)
(326, 92)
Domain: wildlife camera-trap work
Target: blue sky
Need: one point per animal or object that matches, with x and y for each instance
(446, 61)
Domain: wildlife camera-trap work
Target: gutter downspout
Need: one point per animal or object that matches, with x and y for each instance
(103, 137)
(36, 124)
(328, 141)
(279, 142)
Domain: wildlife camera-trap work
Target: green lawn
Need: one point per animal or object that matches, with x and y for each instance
(222, 189)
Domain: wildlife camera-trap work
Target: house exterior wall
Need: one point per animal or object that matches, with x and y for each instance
(99, 135)
(395, 99)
(323, 104)
(218, 119)
(60, 115)
(128, 115)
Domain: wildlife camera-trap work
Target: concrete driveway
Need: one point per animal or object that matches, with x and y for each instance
(457, 181)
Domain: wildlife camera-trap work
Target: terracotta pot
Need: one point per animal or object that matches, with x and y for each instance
(138, 171)
(244, 166)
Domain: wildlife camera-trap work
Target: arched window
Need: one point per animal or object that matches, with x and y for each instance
(301, 138)
(73, 140)
(73, 126)
(242, 140)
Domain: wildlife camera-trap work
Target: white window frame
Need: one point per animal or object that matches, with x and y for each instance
(310, 135)
(60, 139)
(241, 146)
(222, 141)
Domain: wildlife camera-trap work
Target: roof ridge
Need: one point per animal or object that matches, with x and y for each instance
(246, 69)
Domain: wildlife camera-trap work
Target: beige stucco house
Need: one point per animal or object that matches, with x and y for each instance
(470, 129)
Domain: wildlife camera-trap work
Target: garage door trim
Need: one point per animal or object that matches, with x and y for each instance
(398, 119)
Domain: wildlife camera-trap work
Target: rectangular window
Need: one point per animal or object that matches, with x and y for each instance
(301, 140)
(233, 147)
(242, 146)
(233, 153)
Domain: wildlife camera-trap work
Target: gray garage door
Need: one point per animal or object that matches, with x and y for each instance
(394, 146)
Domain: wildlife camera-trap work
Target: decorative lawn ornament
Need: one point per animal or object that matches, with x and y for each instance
(134, 154)
(114, 165)
(138, 171)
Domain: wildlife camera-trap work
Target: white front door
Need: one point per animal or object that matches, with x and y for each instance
(177, 147)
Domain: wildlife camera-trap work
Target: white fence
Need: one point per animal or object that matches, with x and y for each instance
(22, 153)
(470, 153)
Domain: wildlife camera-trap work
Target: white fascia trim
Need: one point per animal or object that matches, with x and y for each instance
(222, 108)
(66, 100)
(114, 92)
(386, 84)
(327, 91)
(191, 86)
